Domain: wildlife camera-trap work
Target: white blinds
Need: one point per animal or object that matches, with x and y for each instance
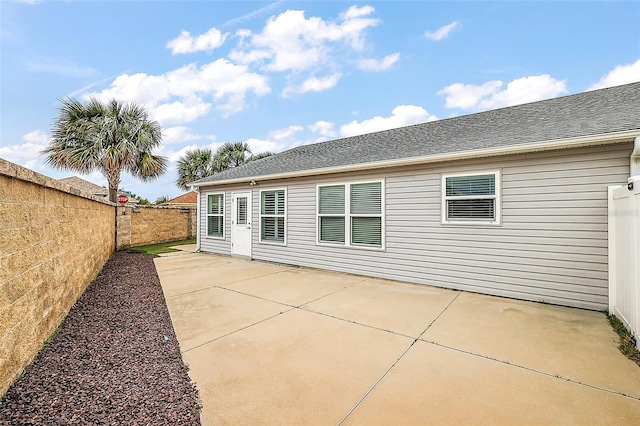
(331, 199)
(366, 198)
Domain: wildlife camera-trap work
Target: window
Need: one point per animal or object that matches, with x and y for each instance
(351, 214)
(471, 198)
(215, 215)
(241, 211)
(272, 216)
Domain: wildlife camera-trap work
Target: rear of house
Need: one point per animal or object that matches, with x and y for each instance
(511, 202)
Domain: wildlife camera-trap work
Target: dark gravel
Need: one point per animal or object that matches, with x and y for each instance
(115, 361)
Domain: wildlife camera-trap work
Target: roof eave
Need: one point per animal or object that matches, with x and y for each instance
(599, 139)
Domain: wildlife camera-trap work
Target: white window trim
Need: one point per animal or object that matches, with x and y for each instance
(497, 197)
(260, 216)
(347, 215)
(207, 215)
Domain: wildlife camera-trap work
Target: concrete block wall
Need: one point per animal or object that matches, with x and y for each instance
(54, 241)
(142, 225)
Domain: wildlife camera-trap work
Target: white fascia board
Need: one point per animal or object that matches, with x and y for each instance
(555, 144)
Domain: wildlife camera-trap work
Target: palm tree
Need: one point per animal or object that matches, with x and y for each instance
(161, 200)
(196, 164)
(233, 154)
(260, 156)
(111, 137)
(202, 162)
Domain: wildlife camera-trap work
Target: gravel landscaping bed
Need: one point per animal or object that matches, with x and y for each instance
(115, 360)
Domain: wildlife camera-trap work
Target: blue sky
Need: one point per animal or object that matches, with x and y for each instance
(285, 73)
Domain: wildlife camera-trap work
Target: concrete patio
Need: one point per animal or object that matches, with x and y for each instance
(272, 344)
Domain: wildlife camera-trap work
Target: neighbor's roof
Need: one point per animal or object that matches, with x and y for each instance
(86, 186)
(613, 111)
(188, 198)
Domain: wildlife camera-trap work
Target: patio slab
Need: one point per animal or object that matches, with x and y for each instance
(182, 260)
(195, 273)
(271, 344)
(437, 385)
(296, 368)
(295, 287)
(402, 308)
(571, 343)
(209, 314)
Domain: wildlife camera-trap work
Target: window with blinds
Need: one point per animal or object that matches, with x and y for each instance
(272, 215)
(241, 211)
(215, 215)
(351, 214)
(471, 198)
(331, 213)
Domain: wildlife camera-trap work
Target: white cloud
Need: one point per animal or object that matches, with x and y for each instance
(285, 134)
(622, 74)
(180, 112)
(354, 23)
(262, 145)
(142, 88)
(356, 12)
(292, 42)
(402, 115)
(27, 154)
(277, 140)
(36, 137)
(208, 41)
(189, 92)
(489, 95)
(324, 128)
(174, 155)
(180, 134)
(467, 96)
(315, 84)
(442, 32)
(378, 65)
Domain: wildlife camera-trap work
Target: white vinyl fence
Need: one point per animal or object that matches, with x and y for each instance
(624, 255)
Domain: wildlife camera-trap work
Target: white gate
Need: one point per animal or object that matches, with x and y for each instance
(624, 255)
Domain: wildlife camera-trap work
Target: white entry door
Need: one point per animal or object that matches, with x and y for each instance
(241, 224)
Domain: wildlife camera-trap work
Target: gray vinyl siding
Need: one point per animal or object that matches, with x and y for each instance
(210, 244)
(550, 247)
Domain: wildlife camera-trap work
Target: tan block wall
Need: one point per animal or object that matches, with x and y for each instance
(154, 224)
(54, 241)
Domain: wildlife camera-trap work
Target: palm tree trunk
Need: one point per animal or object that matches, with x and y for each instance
(113, 177)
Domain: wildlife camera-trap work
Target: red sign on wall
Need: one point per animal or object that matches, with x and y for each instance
(123, 199)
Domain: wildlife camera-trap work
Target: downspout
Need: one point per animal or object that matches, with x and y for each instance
(634, 165)
(198, 220)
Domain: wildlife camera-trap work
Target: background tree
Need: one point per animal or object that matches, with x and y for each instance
(233, 154)
(161, 200)
(196, 164)
(110, 137)
(202, 162)
(261, 155)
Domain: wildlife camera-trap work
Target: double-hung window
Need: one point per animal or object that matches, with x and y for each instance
(215, 215)
(471, 198)
(351, 214)
(272, 216)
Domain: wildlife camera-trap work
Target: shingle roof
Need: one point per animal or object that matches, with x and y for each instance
(596, 112)
(188, 198)
(86, 186)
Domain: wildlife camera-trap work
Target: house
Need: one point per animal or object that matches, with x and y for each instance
(190, 199)
(86, 186)
(510, 202)
(95, 190)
